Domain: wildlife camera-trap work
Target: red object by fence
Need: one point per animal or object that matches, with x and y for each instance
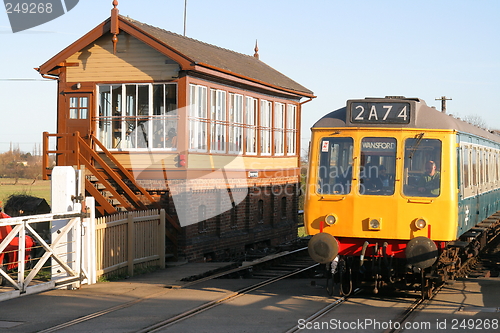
(13, 248)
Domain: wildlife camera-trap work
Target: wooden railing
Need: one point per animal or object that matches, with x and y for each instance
(84, 155)
(46, 161)
(129, 240)
(104, 176)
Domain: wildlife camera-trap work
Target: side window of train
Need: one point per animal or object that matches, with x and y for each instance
(378, 166)
(481, 167)
(422, 167)
(474, 166)
(496, 161)
(471, 166)
(335, 166)
(465, 167)
(465, 185)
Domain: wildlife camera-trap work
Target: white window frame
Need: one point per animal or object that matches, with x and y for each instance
(198, 121)
(252, 112)
(236, 123)
(266, 112)
(279, 129)
(291, 130)
(218, 123)
(164, 120)
(128, 127)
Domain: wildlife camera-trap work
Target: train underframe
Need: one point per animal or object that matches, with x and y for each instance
(375, 268)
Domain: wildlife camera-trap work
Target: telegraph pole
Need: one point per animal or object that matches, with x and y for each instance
(443, 103)
(185, 14)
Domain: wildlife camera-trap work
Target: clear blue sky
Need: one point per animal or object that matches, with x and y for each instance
(338, 49)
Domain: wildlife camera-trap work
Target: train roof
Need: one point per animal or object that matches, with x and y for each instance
(424, 117)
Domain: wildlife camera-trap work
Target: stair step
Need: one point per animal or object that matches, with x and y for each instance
(92, 178)
(114, 202)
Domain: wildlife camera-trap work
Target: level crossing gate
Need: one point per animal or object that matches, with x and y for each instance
(63, 255)
(64, 258)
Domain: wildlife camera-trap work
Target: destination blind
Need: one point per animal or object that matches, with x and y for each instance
(380, 112)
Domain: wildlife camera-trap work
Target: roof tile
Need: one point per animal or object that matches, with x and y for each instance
(224, 59)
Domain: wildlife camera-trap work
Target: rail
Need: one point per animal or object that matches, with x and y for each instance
(298, 269)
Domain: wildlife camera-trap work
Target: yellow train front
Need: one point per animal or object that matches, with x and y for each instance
(382, 197)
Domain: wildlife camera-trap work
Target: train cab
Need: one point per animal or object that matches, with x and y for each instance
(400, 185)
(378, 174)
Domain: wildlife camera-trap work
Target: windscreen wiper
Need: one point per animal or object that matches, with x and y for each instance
(419, 138)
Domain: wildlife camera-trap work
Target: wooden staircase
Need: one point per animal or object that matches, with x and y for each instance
(113, 187)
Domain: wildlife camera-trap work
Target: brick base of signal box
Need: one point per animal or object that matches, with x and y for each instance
(266, 217)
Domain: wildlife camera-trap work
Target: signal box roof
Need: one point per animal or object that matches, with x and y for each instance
(190, 54)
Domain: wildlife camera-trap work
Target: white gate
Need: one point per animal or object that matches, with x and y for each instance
(62, 255)
(29, 277)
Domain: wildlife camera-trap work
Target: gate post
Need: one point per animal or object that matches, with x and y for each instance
(65, 188)
(89, 246)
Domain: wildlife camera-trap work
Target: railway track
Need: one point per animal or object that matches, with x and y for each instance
(327, 309)
(276, 277)
(407, 314)
(229, 302)
(396, 324)
(266, 270)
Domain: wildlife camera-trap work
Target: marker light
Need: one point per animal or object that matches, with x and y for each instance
(331, 219)
(420, 223)
(374, 224)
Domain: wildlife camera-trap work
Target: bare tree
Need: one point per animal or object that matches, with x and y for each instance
(16, 164)
(475, 120)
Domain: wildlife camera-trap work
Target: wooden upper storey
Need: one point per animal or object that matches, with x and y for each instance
(166, 51)
(125, 80)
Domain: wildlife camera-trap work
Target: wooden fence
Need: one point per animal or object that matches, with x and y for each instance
(130, 240)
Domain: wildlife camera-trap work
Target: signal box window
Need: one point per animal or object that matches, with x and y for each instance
(291, 130)
(422, 176)
(138, 116)
(252, 111)
(335, 166)
(266, 116)
(279, 125)
(218, 121)
(236, 123)
(378, 165)
(198, 118)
